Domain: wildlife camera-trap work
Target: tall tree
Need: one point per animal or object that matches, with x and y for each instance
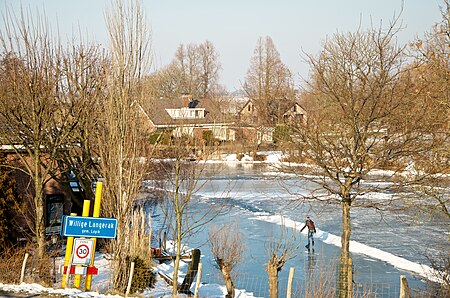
(120, 137)
(209, 68)
(184, 179)
(366, 118)
(84, 82)
(431, 80)
(36, 117)
(198, 69)
(432, 77)
(269, 82)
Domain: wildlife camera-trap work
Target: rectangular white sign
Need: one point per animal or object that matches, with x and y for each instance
(82, 251)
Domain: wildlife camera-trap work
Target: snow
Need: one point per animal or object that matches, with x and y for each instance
(101, 282)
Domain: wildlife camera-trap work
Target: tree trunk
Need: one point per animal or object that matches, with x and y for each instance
(39, 220)
(176, 265)
(226, 272)
(272, 271)
(345, 269)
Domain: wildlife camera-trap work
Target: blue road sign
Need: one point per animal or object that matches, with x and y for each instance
(95, 227)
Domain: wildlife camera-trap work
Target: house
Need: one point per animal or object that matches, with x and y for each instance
(295, 114)
(190, 117)
(248, 113)
(288, 114)
(58, 198)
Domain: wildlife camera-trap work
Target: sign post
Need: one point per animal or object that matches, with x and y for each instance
(95, 213)
(69, 246)
(83, 253)
(86, 207)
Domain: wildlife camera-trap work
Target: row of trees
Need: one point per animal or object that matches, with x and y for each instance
(74, 110)
(194, 70)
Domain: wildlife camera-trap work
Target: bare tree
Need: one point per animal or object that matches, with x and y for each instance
(268, 82)
(199, 67)
(194, 70)
(120, 138)
(36, 116)
(227, 248)
(367, 118)
(209, 68)
(84, 82)
(166, 83)
(280, 250)
(183, 179)
(432, 76)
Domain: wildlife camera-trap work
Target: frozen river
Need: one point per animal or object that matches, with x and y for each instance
(260, 199)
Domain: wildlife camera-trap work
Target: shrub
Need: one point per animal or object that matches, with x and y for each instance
(208, 137)
(282, 134)
(143, 276)
(159, 137)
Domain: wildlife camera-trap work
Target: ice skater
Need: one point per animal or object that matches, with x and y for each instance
(311, 231)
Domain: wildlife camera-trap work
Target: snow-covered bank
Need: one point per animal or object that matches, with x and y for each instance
(101, 284)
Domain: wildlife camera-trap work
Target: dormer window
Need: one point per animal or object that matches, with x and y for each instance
(186, 113)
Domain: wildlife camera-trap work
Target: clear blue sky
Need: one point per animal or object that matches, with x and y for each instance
(234, 26)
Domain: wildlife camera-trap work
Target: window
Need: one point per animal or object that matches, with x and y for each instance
(55, 207)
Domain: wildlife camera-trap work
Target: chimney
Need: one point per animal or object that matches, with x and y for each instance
(185, 99)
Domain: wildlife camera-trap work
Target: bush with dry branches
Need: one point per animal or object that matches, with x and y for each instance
(227, 248)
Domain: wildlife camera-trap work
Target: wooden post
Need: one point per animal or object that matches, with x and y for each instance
(22, 272)
(165, 241)
(130, 279)
(191, 272)
(404, 288)
(289, 285)
(199, 277)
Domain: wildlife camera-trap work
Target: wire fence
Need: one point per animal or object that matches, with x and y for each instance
(18, 268)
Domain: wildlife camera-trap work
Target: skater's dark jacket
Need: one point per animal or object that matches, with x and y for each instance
(310, 224)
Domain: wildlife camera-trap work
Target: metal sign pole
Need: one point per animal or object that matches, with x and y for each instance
(96, 213)
(86, 207)
(69, 246)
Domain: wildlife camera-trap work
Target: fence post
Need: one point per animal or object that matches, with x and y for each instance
(289, 285)
(199, 277)
(22, 272)
(404, 288)
(130, 279)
